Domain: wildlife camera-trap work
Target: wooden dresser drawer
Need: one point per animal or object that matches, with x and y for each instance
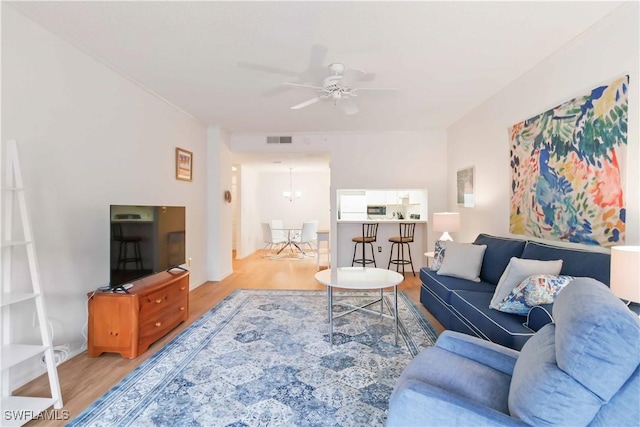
(162, 321)
(159, 300)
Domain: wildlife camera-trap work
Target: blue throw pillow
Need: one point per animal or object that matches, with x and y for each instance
(534, 290)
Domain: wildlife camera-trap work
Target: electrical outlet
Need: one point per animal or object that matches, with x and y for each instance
(189, 262)
(379, 248)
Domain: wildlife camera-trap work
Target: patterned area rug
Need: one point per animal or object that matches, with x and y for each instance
(262, 358)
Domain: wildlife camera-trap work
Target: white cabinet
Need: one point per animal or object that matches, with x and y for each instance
(376, 197)
(353, 206)
(416, 197)
(392, 198)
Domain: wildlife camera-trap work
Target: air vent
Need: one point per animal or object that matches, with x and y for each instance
(279, 140)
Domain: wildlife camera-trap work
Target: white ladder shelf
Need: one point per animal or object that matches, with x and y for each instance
(20, 409)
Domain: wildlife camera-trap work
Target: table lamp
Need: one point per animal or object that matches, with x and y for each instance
(625, 273)
(446, 222)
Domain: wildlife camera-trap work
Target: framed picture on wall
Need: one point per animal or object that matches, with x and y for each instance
(466, 195)
(184, 164)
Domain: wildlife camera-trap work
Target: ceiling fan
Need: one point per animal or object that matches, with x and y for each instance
(338, 87)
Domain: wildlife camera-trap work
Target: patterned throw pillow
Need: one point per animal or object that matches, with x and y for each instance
(534, 290)
(518, 270)
(438, 255)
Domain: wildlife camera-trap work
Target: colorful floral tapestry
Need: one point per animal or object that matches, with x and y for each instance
(567, 169)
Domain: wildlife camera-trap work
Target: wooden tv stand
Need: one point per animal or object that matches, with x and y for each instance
(129, 323)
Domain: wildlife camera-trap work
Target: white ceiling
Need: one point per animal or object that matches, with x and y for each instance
(205, 57)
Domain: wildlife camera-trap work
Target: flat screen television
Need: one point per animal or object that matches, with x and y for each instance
(145, 240)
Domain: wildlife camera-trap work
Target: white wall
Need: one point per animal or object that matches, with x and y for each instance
(480, 139)
(88, 138)
(370, 160)
(262, 192)
(249, 233)
(219, 219)
(313, 205)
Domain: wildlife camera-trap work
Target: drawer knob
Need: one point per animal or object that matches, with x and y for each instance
(183, 288)
(158, 324)
(159, 300)
(181, 308)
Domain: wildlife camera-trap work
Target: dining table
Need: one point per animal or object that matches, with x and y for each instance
(289, 234)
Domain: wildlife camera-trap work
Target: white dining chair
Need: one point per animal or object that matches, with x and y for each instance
(267, 236)
(307, 236)
(277, 230)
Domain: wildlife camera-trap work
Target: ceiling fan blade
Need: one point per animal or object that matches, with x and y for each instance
(353, 75)
(266, 69)
(348, 106)
(318, 53)
(277, 90)
(356, 89)
(302, 85)
(305, 103)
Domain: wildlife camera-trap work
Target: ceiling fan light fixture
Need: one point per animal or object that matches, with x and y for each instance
(338, 87)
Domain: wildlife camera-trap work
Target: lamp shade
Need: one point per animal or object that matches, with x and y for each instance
(625, 272)
(446, 222)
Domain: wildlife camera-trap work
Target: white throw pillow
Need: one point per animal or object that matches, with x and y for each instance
(462, 260)
(518, 270)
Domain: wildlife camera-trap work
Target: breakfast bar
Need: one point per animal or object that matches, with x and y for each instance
(388, 208)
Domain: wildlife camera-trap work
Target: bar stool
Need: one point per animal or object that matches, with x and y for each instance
(405, 237)
(369, 234)
(124, 256)
(323, 236)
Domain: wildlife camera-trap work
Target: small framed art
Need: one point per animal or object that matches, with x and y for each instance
(466, 196)
(184, 164)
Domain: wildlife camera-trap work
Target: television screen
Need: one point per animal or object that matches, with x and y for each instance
(145, 240)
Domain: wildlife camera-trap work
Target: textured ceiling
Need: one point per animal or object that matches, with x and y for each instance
(224, 62)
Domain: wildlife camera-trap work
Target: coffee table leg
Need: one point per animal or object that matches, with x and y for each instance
(328, 305)
(395, 309)
(330, 315)
(381, 303)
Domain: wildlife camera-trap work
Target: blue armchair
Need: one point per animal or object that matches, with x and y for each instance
(583, 369)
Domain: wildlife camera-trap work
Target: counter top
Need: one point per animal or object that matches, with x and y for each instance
(381, 221)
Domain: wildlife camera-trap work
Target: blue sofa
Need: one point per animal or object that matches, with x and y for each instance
(462, 305)
(581, 370)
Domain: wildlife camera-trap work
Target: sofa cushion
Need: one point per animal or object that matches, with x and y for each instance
(502, 328)
(575, 262)
(462, 260)
(497, 255)
(518, 270)
(543, 394)
(622, 409)
(597, 337)
(534, 290)
(480, 383)
(443, 286)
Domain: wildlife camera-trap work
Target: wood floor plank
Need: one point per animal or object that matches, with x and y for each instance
(84, 379)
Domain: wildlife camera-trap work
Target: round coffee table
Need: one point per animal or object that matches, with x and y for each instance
(361, 278)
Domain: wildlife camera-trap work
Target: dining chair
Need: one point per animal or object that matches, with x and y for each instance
(277, 230)
(307, 235)
(267, 236)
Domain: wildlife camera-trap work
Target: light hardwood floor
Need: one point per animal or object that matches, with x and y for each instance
(84, 379)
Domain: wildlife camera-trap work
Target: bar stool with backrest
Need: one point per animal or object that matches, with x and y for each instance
(124, 255)
(405, 238)
(369, 235)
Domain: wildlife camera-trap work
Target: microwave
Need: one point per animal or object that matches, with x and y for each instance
(376, 210)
